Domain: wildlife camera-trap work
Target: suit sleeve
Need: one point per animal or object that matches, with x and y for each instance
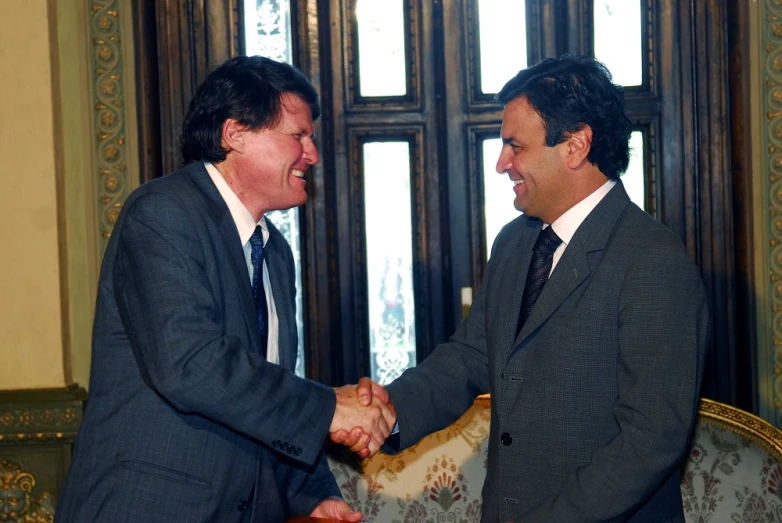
(305, 487)
(169, 303)
(663, 327)
(432, 395)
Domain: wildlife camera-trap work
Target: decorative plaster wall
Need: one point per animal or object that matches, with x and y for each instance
(30, 309)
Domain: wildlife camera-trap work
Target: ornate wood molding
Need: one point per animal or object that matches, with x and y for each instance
(770, 20)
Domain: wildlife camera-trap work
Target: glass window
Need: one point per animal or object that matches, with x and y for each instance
(498, 193)
(381, 47)
(503, 41)
(268, 33)
(267, 29)
(634, 179)
(389, 244)
(618, 39)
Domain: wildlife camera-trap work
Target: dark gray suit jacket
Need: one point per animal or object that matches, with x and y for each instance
(186, 421)
(593, 403)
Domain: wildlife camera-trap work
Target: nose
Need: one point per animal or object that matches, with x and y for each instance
(503, 162)
(311, 152)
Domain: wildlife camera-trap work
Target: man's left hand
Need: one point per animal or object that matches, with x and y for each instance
(336, 509)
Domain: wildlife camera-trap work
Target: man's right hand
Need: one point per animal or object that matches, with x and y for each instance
(361, 421)
(357, 439)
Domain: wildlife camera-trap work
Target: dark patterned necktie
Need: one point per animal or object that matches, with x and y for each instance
(259, 294)
(539, 269)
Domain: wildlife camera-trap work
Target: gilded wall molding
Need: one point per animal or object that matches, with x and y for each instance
(770, 20)
(20, 504)
(40, 416)
(109, 118)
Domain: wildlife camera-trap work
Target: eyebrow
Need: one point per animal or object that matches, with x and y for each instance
(508, 141)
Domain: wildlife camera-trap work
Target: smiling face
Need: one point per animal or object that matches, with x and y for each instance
(265, 167)
(538, 172)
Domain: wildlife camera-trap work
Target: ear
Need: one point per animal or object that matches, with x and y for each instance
(233, 134)
(579, 143)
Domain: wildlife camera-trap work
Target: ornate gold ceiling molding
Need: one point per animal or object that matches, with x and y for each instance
(108, 99)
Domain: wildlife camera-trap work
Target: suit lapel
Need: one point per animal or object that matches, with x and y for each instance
(514, 276)
(279, 276)
(574, 266)
(230, 238)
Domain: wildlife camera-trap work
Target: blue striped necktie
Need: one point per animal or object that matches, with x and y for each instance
(259, 294)
(539, 269)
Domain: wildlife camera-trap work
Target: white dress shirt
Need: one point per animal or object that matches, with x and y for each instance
(566, 225)
(245, 224)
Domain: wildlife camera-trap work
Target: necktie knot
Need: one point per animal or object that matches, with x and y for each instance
(539, 269)
(256, 240)
(548, 241)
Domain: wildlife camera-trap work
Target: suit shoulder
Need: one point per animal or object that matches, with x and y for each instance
(649, 239)
(175, 187)
(515, 228)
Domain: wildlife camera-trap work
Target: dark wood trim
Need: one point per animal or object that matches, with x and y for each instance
(738, 65)
(178, 42)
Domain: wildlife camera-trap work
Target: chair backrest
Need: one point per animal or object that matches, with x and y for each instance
(440, 478)
(733, 472)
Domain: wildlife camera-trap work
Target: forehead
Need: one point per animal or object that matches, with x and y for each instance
(294, 112)
(520, 119)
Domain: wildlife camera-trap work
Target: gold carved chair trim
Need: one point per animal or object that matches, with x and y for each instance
(744, 424)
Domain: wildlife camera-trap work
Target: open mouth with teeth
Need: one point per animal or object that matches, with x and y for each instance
(297, 173)
(517, 182)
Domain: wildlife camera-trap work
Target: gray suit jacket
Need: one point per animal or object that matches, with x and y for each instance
(186, 421)
(593, 403)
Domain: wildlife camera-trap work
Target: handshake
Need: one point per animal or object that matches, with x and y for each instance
(364, 417)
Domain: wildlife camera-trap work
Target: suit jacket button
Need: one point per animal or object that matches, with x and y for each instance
(242, 506)
(505, 438)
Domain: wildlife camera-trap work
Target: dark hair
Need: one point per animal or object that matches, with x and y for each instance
(246, 88)
(569, 92)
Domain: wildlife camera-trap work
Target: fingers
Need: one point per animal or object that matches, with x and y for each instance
(339, 436)
(364, 391)
(369, 425)
(355, 437)
(367, 389)
(336, 509)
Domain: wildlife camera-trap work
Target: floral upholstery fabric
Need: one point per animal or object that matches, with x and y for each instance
(730, 476)
(730, 479)
(438, 479)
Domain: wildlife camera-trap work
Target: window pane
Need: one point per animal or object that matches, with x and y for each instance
(634, 179)
(267, 33)
(389, 240)
(503, 52)
(381, 47)
(267, 29)
(498, 193)
(618, 39)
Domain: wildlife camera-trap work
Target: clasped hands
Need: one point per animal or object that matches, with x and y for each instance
(364, 417)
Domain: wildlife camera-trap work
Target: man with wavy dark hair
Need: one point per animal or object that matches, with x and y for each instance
(589, 330)
(195, 413)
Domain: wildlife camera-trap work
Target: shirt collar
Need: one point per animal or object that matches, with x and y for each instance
(244, 221)
(566, 225)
